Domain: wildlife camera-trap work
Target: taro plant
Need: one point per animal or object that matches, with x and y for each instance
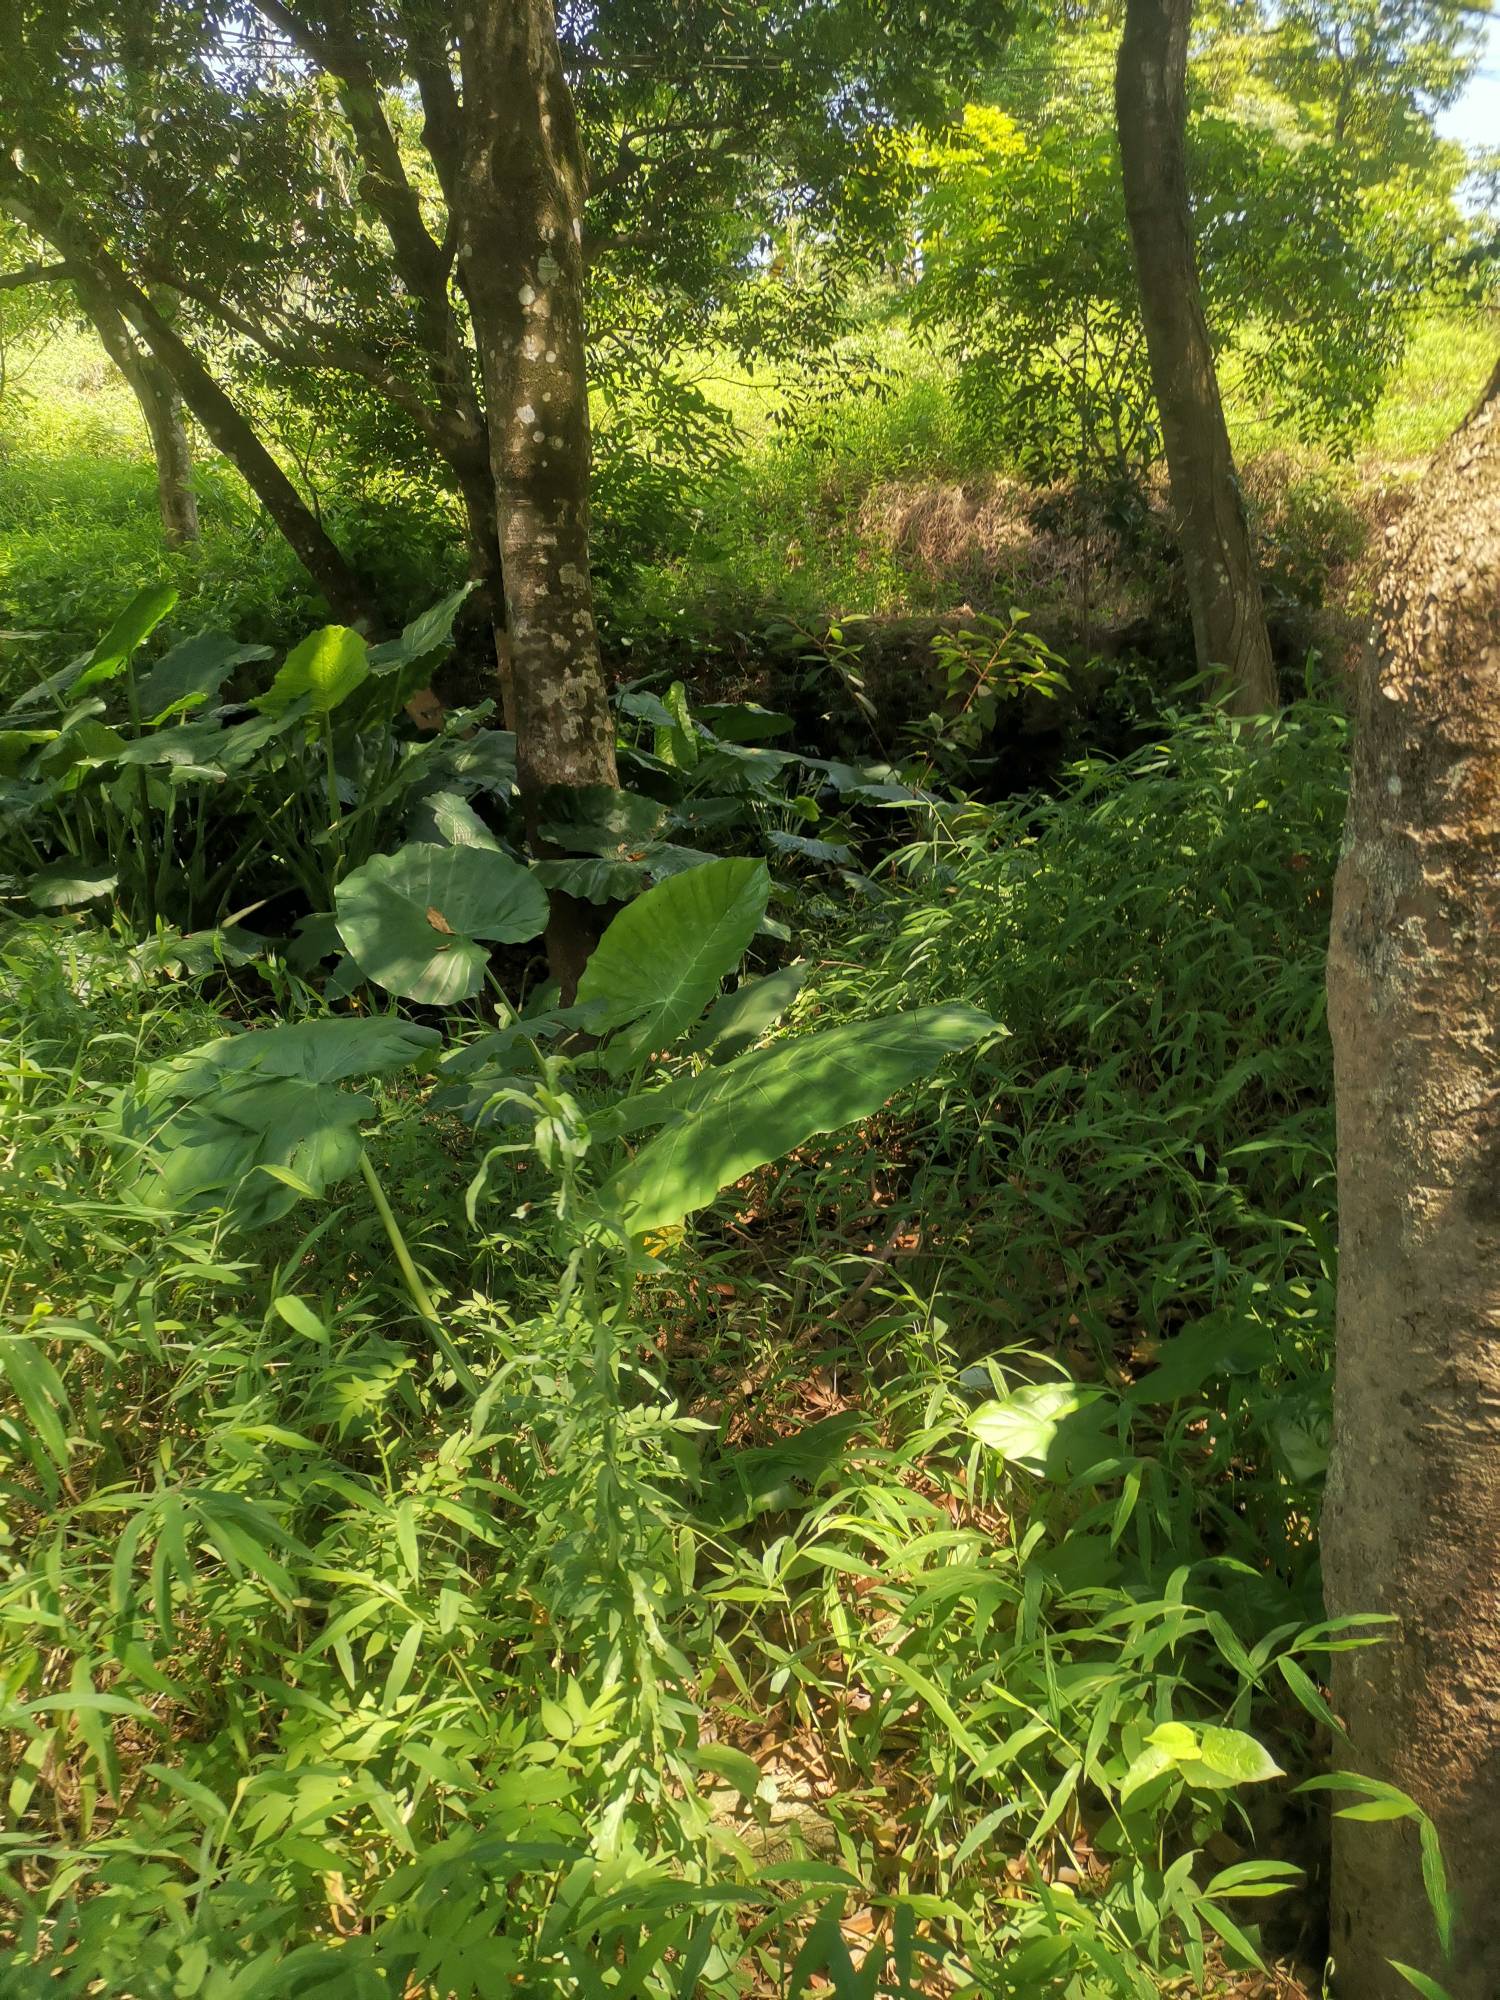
(157, 789)
(634, 1107)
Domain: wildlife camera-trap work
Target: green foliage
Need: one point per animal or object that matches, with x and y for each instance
(447, 1628)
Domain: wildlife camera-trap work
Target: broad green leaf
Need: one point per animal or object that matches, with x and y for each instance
(737, 1020)
(1051, 1429)
(193, 670)
(416, 921)
(326, 1051)
(773, 1100)
(662, 959)
(483, 762)
(325, 667)
(209, 1153)
(448, 817)
(67, 883)
(597, 819)
(593, 878)
(744, 721)
(428, 634)
(802, 844)
(135, 624)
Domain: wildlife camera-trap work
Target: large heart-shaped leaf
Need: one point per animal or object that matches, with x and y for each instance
(313, 1051)
(135, 624)
(326, 667)
(662, 959)
(251, 1123)
(413, 921)
(254, 1148)
(764, 1105)
(186, 676)
(598, 819)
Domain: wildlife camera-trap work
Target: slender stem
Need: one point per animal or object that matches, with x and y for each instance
(421, 1298)
(335, 810)
(143, 787)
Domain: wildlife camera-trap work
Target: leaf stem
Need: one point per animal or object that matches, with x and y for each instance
(421, 1298)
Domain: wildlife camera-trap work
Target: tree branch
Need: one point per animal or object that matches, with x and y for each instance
(34, 274)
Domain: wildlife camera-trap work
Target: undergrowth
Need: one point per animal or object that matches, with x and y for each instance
(907, 1582)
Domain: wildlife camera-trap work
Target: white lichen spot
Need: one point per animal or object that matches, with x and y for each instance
(531, 348)
(527, 296)
(556, 444)
(548, 267)
(577, 230)
(551, 353)
(526, 414)
(538, 437)
(569, 575)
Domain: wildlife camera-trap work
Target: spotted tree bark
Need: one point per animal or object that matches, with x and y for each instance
(1229, 620)
(1411, 1525)
(519, 196)
(161, 408)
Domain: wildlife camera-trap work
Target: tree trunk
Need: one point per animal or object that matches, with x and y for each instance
(162, 409)
(520, 222)
(1229, 620)
(1411, 1525)
(347, 597)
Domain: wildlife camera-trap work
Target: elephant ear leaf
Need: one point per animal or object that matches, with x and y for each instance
(417, 922)
(323, 670)
(253, 1123)
(666, 954)
(131, 629)
(764, 1105)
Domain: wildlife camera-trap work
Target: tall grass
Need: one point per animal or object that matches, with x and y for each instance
(961, 1457)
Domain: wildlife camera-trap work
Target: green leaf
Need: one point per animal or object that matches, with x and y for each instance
(483, 762)
(770, 1101)
(66, 883)
(135, 624)
(413, 921)
(597, 819)
(593, 878)
(326, 667)
(1421, 1981)
(327, 1051)
(1051, 1429)
(428, 635)
(738, 1020)
(730, 1764)
(744, 721)
(662, 959)
(193, 670)
(1230, 1757)
(448, 817)
(209, 1152)
(1435, 1882)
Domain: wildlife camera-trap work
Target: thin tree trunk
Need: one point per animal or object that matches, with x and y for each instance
(520, 215)
(1411, 1525)
(1229, 620)
(162, 409)
(348, 598)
